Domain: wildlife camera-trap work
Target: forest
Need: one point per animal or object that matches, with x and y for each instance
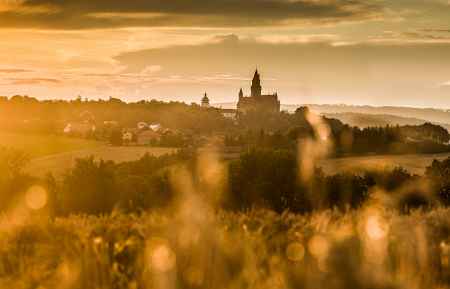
(269, 179)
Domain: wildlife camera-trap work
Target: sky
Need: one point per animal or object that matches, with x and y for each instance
(363, 52)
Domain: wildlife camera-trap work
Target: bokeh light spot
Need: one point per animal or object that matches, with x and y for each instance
(194, 276)
(36, 197)
(318, 246)
(375, 228)
(295, 252)
(162, 258)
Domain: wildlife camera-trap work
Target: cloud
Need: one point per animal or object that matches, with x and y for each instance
(316, 70)
(85, 14)
(151, 69)
(225, 53)
(33, 81)
(412, 36)
(436, 30)
(14, 70)
(426, 36)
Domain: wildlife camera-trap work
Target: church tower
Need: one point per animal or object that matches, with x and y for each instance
(256, 85)
(205, 101)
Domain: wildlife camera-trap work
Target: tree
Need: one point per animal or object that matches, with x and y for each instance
(116, 137)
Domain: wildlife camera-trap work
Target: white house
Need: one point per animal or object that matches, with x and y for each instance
(142, 125)
(228, 113)
(79, 128)
(155, 127)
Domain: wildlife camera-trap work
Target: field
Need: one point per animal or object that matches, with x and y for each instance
(43, 145)
(413, 163)
(58, 163)
(194, 248)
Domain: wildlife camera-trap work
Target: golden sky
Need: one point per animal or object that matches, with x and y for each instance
(375, 52)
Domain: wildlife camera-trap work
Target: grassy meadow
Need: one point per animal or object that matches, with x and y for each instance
(192, 247)
(55, 154)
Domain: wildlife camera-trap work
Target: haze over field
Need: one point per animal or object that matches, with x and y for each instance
(356, 52)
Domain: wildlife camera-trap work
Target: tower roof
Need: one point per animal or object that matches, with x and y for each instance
(256, 75)
(256, 79)
(256, 85)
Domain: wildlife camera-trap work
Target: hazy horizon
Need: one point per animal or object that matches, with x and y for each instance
(225, 104)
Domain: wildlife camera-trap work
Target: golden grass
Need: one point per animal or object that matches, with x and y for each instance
(369, 248)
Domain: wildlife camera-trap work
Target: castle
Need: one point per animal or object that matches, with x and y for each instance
(257, 102)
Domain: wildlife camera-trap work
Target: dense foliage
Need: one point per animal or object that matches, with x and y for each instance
(50, 116)
(259, 178)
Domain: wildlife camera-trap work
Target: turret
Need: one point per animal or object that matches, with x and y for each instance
(205, 100)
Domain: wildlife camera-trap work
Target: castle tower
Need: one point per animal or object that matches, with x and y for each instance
(205, 101)
(256, 85)
(241, 94)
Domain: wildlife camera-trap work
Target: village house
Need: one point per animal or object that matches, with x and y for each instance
(228, 113)
(155, 127)
(83, 126)
(127, 137)
(142, 125)
(147, 137)
(79, 129)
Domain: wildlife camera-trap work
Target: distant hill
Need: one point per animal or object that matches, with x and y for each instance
(428, 114)
(369, 120)
(364, 116)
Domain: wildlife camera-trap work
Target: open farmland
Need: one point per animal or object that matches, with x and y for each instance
(413, 163)
(35, 145)
(58, 163)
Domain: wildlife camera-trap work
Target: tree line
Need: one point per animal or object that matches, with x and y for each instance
(259, 178)
(280, 131)
(344, 139)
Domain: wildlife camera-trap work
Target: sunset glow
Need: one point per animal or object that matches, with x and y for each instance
(362, 52)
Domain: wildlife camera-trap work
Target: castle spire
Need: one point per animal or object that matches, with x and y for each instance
(256, 84)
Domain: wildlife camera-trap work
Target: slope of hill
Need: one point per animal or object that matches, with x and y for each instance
(364, 116)
(427, 114)
(415, 164)
(370, 120)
